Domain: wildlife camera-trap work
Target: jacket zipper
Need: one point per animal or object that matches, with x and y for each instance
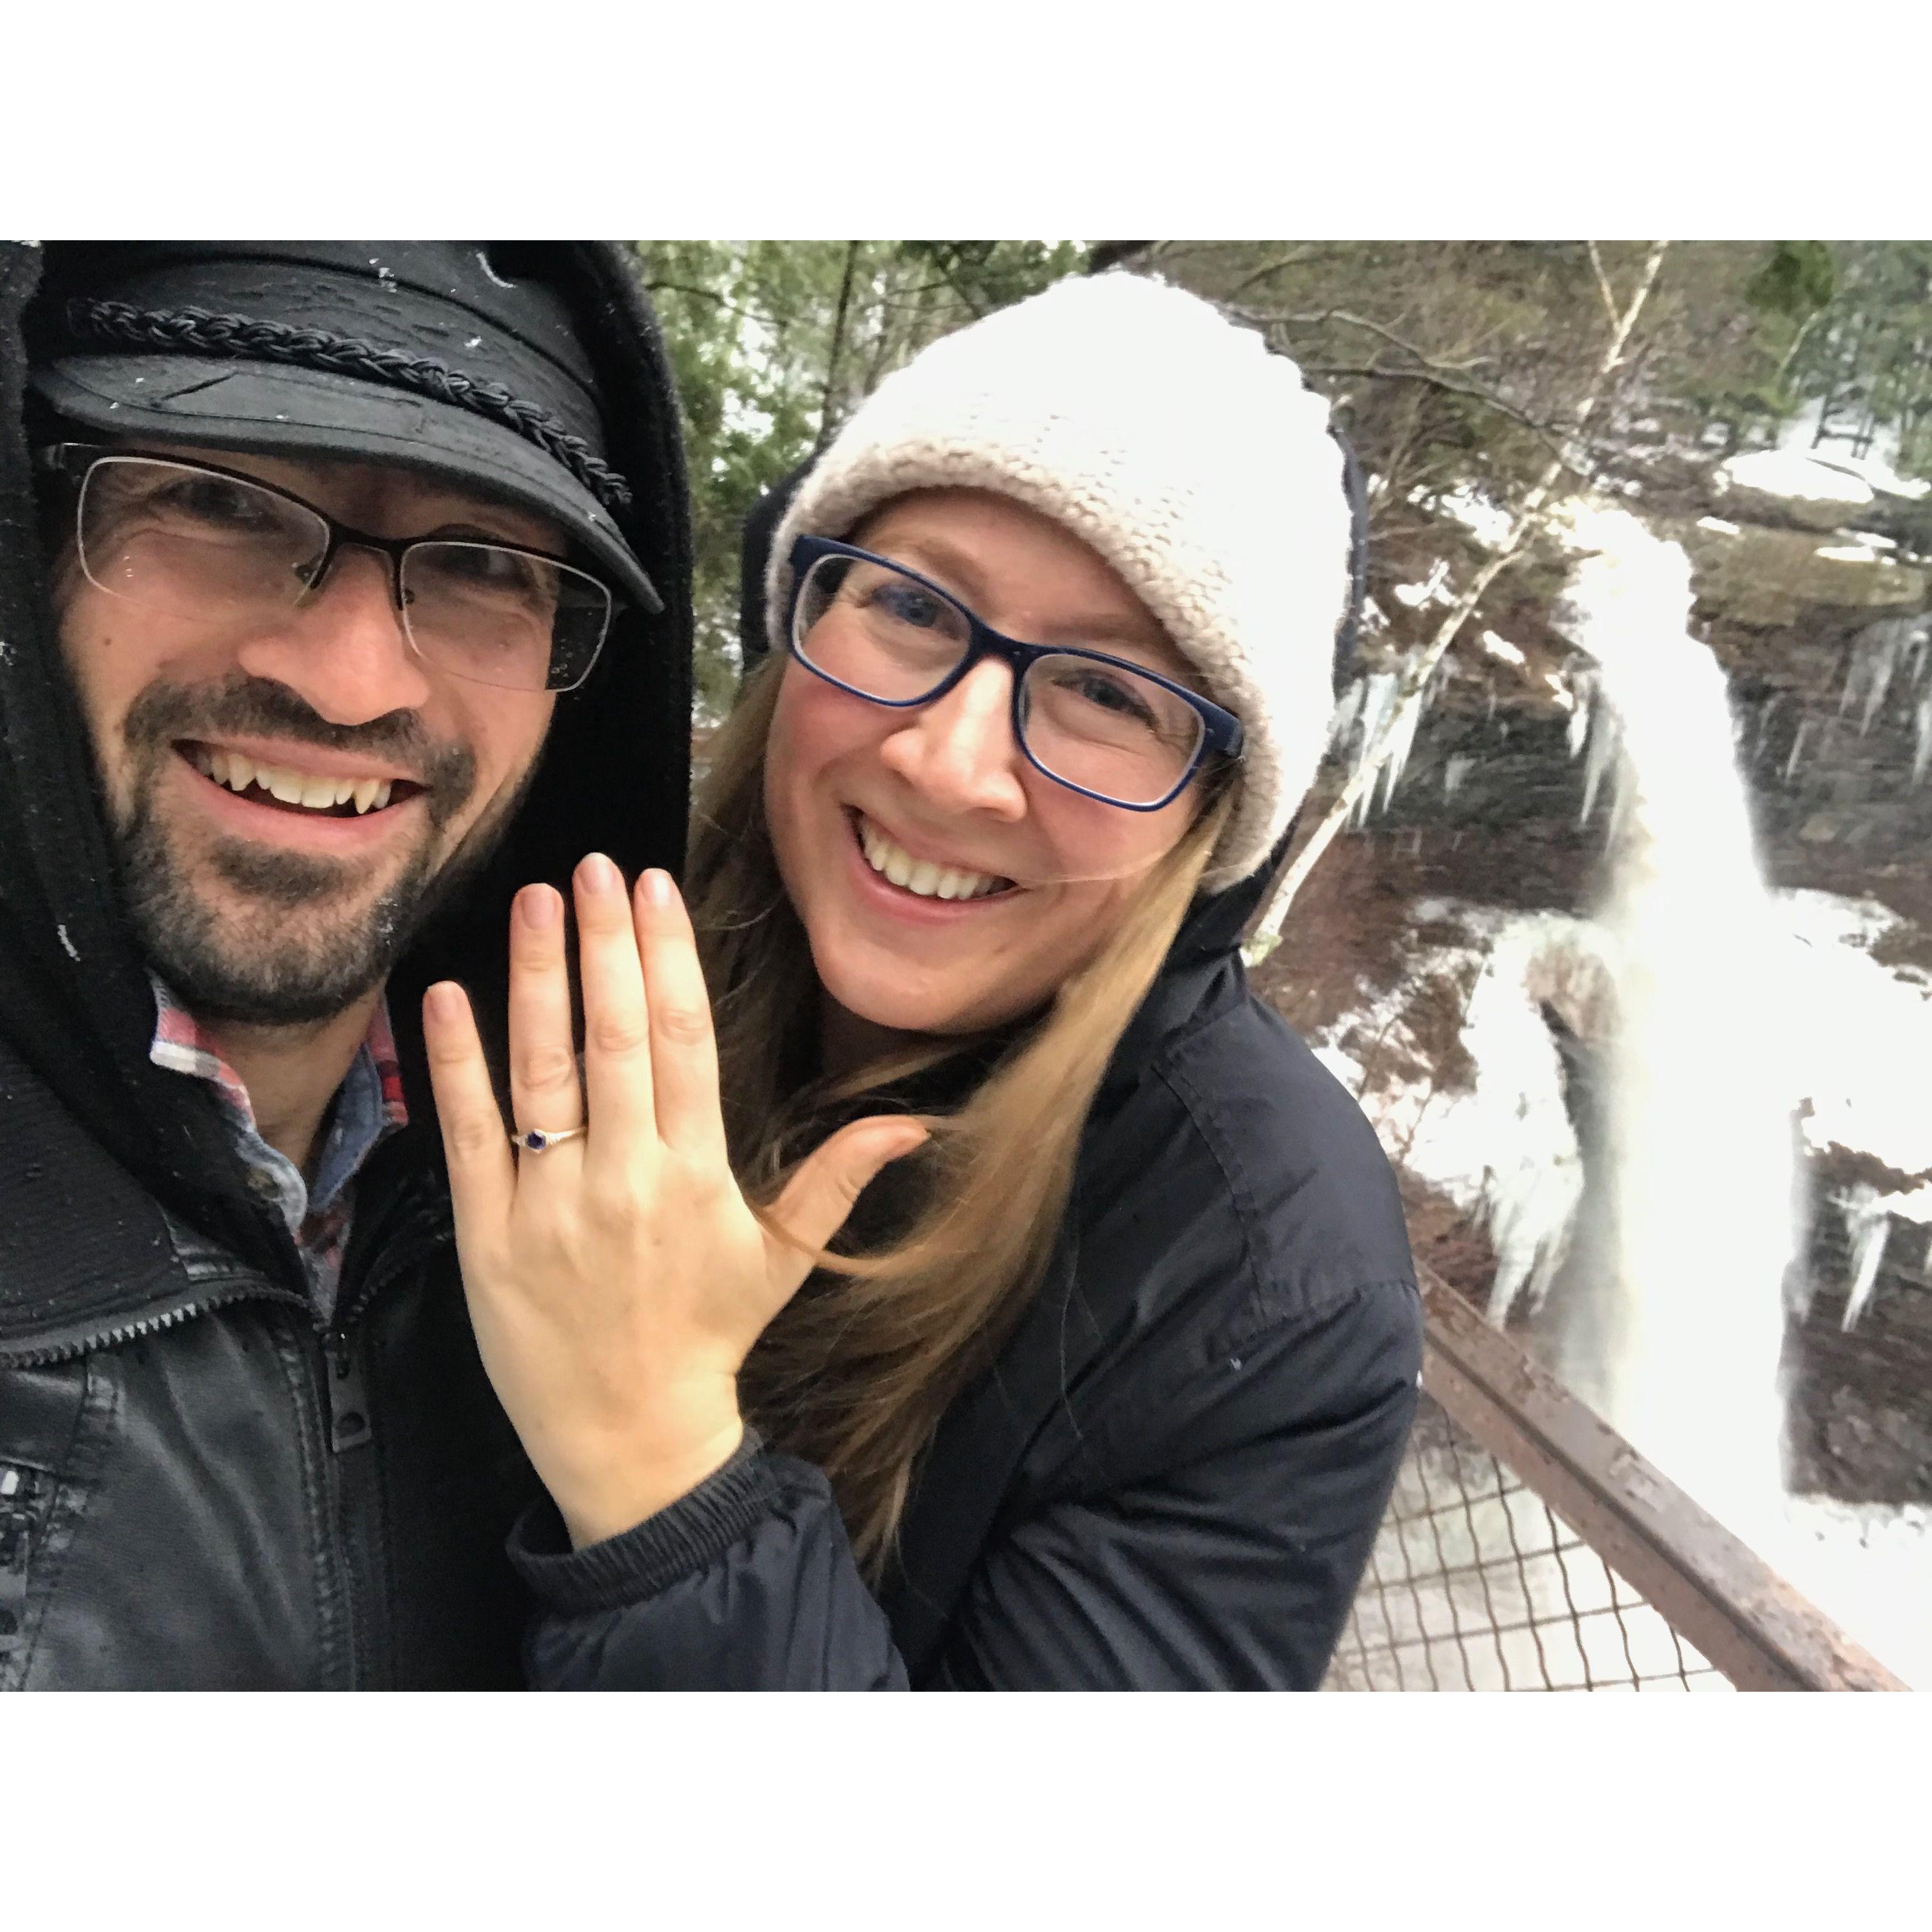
(348, 1427)
(19, 1494)
(361, 1534)
(218, 1294)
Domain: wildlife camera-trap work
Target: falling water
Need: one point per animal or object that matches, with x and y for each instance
(1701, 1150)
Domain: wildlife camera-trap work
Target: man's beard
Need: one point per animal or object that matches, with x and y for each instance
(268, 964)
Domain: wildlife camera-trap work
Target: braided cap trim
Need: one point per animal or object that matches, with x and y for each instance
(201, 332)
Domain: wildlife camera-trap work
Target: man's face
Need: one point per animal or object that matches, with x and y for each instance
(226, 742)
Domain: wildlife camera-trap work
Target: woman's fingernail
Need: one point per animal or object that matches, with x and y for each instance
(598, 875)
(537, 906)
(656, 887)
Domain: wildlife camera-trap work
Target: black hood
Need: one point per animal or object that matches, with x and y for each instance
(74, 997)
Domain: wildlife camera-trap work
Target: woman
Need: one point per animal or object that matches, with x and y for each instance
(1107, 1382)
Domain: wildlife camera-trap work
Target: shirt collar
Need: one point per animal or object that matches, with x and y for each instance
(370, 1103)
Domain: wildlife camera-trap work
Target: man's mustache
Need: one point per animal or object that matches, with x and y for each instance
(248, 706)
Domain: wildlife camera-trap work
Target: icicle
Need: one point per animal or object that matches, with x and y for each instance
(1401, 742)
(1868, 1226)
(1921, 728)
(1348, 710)
(1603, 752)
(1454, 772)
(1876, 653)
(1377, 700)
(1911, 661)
(1881, 683)
(1798, 738)
(1585, 684)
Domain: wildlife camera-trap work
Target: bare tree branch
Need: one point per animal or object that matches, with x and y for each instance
(705, 295)
(1261, 273)
(1604, 288)
(1388, 335)
(1550, 433)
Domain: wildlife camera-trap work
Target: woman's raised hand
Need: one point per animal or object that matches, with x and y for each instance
(617, 1280)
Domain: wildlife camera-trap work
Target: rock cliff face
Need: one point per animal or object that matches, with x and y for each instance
(1446, 957)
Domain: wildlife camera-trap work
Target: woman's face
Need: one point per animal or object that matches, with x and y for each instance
(853, 790)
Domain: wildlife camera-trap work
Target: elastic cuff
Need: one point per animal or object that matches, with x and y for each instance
(678, 1542)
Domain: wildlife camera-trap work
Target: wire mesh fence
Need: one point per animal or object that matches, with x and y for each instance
(1476, 1584)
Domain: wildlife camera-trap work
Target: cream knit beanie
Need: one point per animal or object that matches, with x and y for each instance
(1170, 441)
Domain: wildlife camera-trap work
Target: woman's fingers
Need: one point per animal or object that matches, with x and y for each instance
(684, 1053)
(544, 1089)
(617, 1025)
(821, 1194)
(481, 1180)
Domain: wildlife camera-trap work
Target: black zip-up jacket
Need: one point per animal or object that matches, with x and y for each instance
(199, 1486)
(1172, 1475)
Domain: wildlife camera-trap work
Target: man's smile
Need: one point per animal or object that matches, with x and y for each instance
(299, 797)
(293, 785)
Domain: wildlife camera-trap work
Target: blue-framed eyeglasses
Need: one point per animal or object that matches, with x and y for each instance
(1099, 724)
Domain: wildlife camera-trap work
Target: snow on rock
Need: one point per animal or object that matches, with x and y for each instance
(1483, 519)
(1873, 468)
(1859, 1050)
(1819, 494)
(1434, 589)
(1501, 647)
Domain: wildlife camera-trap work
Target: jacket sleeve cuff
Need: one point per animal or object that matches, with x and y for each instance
(678, 1542)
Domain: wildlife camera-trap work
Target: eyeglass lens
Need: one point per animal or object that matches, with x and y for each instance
(174, 538)
(1102, 727)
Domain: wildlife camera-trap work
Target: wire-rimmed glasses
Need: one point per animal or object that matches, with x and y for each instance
(193, 539)
(1096, 723)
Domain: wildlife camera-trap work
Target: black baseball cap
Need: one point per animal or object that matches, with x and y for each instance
(467, 361)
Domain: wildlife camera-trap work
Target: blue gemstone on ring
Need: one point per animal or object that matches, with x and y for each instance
(535, 1142)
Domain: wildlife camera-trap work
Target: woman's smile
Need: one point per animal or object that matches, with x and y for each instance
(925, 878)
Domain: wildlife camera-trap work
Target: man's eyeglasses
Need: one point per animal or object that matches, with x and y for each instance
(1093, 722)
(194, 540)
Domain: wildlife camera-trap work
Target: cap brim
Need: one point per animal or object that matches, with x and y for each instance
(259, 407)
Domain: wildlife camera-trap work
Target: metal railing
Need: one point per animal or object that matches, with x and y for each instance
(1528, 1546)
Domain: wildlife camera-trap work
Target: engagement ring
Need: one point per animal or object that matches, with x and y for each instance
(539, 1139)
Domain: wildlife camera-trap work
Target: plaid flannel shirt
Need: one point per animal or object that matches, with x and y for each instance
(368, 1105)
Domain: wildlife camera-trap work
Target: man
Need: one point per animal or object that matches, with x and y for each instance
(343, 589)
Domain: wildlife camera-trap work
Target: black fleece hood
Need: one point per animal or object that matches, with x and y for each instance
(75, 1001)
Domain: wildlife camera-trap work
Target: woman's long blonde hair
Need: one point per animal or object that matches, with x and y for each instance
(856, 1373)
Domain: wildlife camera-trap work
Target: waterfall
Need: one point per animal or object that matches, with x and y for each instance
(1687, 1357)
